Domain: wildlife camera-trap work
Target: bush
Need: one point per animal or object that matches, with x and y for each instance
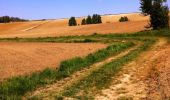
(123, 19)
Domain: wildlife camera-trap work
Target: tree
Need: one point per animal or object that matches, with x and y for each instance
(96, 19)
(99, 19)
(72, 21)
(6, 19)
(158, 11)
(89, 20)
(83, 22)
(146, 6)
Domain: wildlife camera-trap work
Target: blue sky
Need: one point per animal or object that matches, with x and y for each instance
(50, 9)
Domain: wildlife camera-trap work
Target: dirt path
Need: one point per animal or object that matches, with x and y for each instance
(54, 89)
(159, 76)
(130, 83)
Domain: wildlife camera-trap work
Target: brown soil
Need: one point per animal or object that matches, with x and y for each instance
(24, 58)
(159, 76)
(133, 82)
(60, 27)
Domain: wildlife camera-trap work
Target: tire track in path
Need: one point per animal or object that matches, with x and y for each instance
(130, 82)
(50, 91)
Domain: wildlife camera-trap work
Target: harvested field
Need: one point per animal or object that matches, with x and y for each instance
(24, 58)
(17, 26)
(49, 31)
(60, 28)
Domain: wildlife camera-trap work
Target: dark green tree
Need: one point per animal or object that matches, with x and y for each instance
(158, 11)
(83, 22)
(96, 19)
(72, 21)
(99, 19)
(89, 20)
(146, 6)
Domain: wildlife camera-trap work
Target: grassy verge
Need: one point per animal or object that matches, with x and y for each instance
(102, 78)
(91, 38)
(16, 87)
(69, 67)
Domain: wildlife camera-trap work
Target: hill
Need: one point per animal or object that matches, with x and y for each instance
(59, 27)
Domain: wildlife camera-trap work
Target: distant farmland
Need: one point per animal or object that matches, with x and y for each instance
(60, 27)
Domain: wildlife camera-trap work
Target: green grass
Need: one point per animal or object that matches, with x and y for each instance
(91, 38)
(70, 66)
(102, 78)
(16, 87)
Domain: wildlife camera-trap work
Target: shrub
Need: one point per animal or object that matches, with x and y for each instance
(123, 19)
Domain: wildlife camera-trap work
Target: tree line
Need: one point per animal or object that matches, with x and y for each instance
(95, 19)
(7, 19)
(157, 10)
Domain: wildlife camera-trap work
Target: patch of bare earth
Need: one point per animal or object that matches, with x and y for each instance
(159, 76)
(132, 81)
(24, 58)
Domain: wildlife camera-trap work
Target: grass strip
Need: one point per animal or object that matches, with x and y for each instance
(91, 38)
(102, 78)
(15, 88)
(70, 66)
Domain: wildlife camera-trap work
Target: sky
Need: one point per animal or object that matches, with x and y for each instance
(55, 9)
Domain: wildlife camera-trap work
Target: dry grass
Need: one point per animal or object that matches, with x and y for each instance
(23, 58)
